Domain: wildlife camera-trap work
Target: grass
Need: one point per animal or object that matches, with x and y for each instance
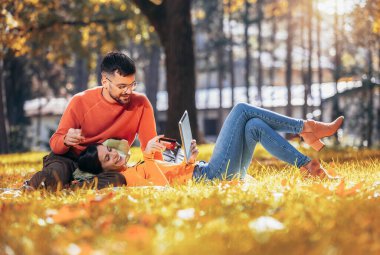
(277, 213)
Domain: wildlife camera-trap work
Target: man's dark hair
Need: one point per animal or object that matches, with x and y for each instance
(88, 160)
(119, 62)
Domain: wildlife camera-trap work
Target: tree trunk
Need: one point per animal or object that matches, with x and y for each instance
(337, 63)
(260, 16)
(152, 75)
(220, 63)
(303, 62)
(272, 70)
(172, 21)
(320, 71)
(289, 59)
(81, 74)
(231, 55)
(4, 147)
(247, 46)
(309, 79)
(370, 98)
(99, 59)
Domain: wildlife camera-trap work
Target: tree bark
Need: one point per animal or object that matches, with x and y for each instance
(272, 50)
(81, 74)
(370, 98)
(289, 59)
(172, 21)
(231, 55)
(152, 75)
(4, 147)
(319, 54)
(309, 79)
(259, 49)
(247, 46)
(303, 62)
(337, 63)
(220, 62)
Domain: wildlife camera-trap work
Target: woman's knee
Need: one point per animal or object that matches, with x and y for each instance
(255, 123)
(254, 127)
(240, 107)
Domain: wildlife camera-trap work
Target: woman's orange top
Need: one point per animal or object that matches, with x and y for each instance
(157, 172)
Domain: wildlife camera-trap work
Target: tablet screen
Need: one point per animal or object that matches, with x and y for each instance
(186, 136)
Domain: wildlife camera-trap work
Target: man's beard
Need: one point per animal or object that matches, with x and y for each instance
(122, 102)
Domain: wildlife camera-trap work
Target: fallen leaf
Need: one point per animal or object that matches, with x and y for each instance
(342, 191)
(207, 203)
(67, 214)
(137, 233)
(320, 189)
(85, 249)
(104, 222)
(101, 200)
(148, 219)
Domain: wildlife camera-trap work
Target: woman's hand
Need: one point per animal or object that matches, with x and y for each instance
(194, 151)
(154, 146)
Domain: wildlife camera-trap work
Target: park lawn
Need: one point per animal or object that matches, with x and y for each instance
(277, 213)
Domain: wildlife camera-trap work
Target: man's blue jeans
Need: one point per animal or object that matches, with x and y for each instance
(244, 127)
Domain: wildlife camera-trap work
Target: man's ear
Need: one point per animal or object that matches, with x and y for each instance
(103, 80)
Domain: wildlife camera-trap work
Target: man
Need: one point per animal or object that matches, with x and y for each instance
(113, 110)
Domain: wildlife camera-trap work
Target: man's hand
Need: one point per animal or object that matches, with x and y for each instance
(194, 151)
(73, 137)
(154, 146)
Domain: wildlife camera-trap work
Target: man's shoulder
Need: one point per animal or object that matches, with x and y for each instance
(140, 99)
(87, 95)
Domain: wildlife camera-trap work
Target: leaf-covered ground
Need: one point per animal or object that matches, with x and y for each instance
(278, 212)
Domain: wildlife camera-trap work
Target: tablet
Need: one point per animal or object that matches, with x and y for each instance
(186, 136)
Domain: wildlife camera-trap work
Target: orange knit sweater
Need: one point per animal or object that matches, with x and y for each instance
(157, 172)
(100, 120)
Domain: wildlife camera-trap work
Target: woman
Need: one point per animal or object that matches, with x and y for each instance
(245, 126)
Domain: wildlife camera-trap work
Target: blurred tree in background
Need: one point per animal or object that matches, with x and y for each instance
(54, 48)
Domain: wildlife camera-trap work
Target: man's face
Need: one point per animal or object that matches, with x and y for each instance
(118, 88)
(110, 159)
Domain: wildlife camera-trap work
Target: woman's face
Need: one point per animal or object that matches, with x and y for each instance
(110, 159)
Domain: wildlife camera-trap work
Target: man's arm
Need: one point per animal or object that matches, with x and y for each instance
(147, 127)
(62, 139)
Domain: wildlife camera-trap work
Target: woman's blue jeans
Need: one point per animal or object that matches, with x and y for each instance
(244, 127)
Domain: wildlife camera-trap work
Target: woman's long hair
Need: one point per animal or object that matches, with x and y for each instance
(88, 160)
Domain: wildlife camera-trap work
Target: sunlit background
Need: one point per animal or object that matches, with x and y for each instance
(321, 53)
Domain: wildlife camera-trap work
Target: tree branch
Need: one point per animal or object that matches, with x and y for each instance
(69, 23)
(155, 13)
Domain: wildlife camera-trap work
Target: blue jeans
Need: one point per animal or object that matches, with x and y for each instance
(244, 127)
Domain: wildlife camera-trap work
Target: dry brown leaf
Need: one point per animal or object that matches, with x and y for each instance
(148, 219)
(320, 189)
(342, 191)
(101, 200)
(137, 234)
(67, 214)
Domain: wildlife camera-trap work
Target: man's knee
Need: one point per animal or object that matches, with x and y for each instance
(56, 173)
(107, 179)
(49, 180)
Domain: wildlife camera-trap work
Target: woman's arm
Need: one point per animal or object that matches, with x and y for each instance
(153, 172)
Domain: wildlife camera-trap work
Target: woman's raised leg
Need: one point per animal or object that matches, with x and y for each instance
(233, 151)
